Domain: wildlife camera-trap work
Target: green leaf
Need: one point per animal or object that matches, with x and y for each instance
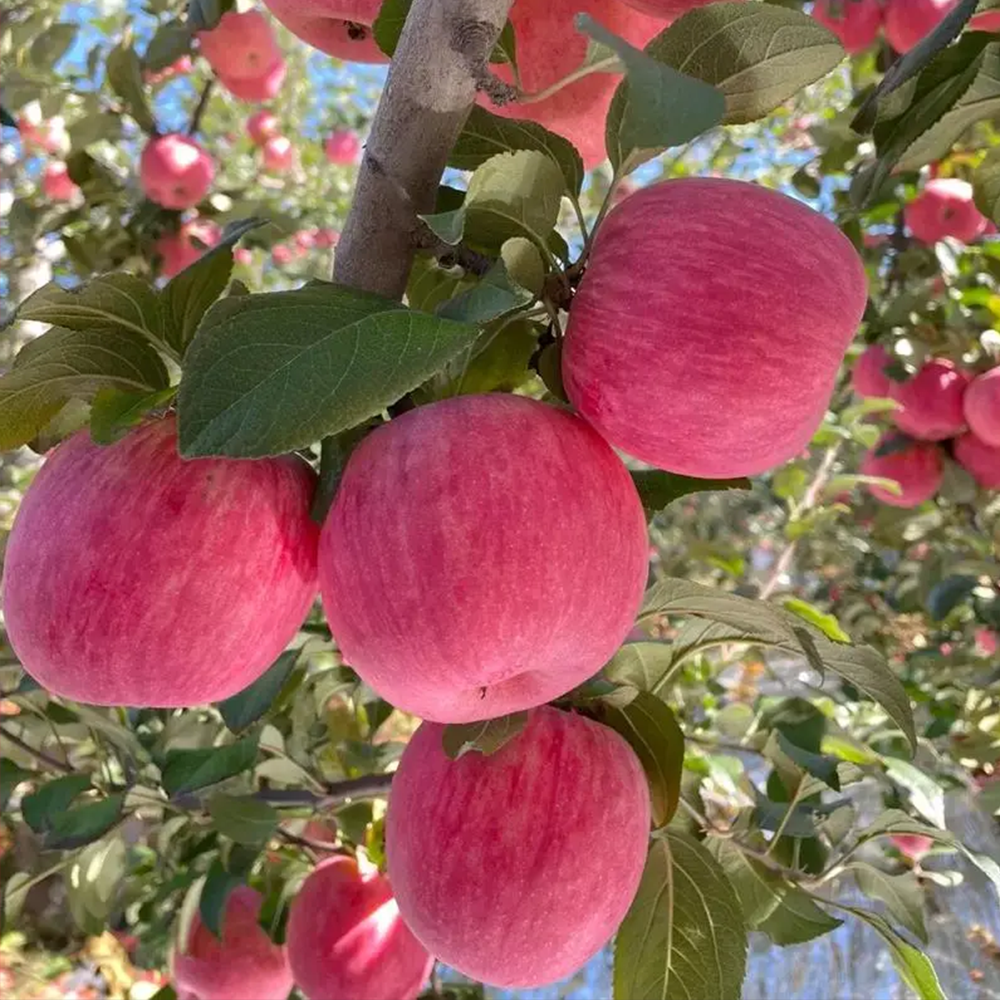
(826, 623)
(760, 889)
(683, 935)
(446, 226)
(986, 184)
(124, 74)
(502, 363)
(641, 666)
(243, 819)
(245, 707)
(797, 919)
(41, 808)
(340, 357)
(902, 894)
(14, 892)
(52, 44)
(757, 55)
(93, 883)
(11, 775)
(655, 106)
(650, 728)
(485, 135)
(524, 263)
(388, 25)
(495, 295)
(84, 824)
(203, 15)
(103, 126)
(818, 765)
(926, 795)
(171, 41)
(658, 489)
(485, 737)
(214, 893)
(189, 770)
(114, 413)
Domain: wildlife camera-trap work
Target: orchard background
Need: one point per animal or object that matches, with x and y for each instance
(812, 683)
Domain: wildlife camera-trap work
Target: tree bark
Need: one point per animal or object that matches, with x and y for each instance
(442, 55)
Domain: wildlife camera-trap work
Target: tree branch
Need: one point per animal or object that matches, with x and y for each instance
(199, 110)
(40, 755)
(442, 55)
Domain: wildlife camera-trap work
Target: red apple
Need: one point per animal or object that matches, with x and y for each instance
(989, 20)
(244, 963)
(868, 377)
(178, 67)
(305, 239)
(693, 343)
(980, 459)
(982, 407)
(258, 88)
(445, 517)
(986, 642)
(282, 254)
(918, 469)
(668, 9)
(944, 208)
(908, 21)
(493, 860)
(262, 125)
(341, 28)
(278, 154)
(326, 238)
(49, 136)
(342, 147)
(347, 940)
(240, 46)
(57, 183)
(135, 578)
(931, 403)
(854, 22)
(912, 845)
(175, 171)
(242, 256)
(178, 250)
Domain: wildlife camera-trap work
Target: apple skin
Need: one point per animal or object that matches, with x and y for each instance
(690, 344)
(919, 470)
(177, 250)
(57, 184)
(282, 254)
(982, 407)
(278, 154)
(868, 377)
(549, 48)
(244, 963)
(346, 938)
(240, 46)
(980, 459)
(908, 21)
(340, 28)
(857, 25)
(258, 89)
(262, 125)
(134, 578)
(945, 207)
(667, 9)
(446, 518)
(342, 147)
(932, 401)
(175, 171)
(989, 20)
(912, 845)
(485, 852)
(326, 238)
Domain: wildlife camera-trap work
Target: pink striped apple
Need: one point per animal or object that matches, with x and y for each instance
(692, 343)
(240, 46)
(341, 28)
(483, 849)
(175, 171)
(260, 88)
(868, 377)
(855, 22)
(931, 403)
(982, 407)
(451, 560)
(134, 578)
(918, 469)
(980, 459)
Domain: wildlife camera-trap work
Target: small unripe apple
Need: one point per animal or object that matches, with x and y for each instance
(690, 343)
(245, 962)
(855, 23)
(278, 154)
(57, 183)
(342, 147)
(982, 407)
(346, 939)
(257, 89)
(493, 860)
(912, 845)
(178, 250)
(240, 46)
(980, 459)
(931, 403)
(918, 468)
(341, 28)
(173, 583)
(444, 516)
(175, 171)
(945, 207)
(868, 377)
(908, 21)
(262, 125)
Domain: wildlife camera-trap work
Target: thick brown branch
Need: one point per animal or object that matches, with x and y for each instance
(442, 55)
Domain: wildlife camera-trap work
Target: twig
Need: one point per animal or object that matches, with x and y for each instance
(206, 93)
(449, 255)
(40, 755)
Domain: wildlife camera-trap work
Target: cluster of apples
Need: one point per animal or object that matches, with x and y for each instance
(302, 242)
(245, 55)
(48, 137)
(941, 407)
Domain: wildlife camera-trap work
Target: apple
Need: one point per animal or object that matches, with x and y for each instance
(278, 154)
(340, 28)
(981, 406)
(868, 377)
(980, 459)
(326, 238)
(342, 147)
(175, 171)
(908, 21)
(305, 239)
(243, 256)
(854, 22)
(912, 845)
(259, 88)
(282, 254)
(347, 940)
(480, 547)
(57, 183)
(989, 20)
(918, 468)
(706, 335)
(179, 67)
(667, 8)
(986, 642)
(240, 46)
(132, 577)
(493, 858)
(931, 403)
(945, 207)
(49, 136)
(245, 962)
(179, 249)
(262, 125)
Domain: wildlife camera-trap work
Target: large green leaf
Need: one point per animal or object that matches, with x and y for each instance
(797, 919)
(42, 807)
(189, 770)
(760, 889)
(270, 373)
(124, 72)
(85, 823)
(986, 182)
(245, 707)
(657, 489)
(641, 666)
(485, 737)
(171, 41)
(903, 895)
(683, 935)
(243, 819)
(913, 966)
